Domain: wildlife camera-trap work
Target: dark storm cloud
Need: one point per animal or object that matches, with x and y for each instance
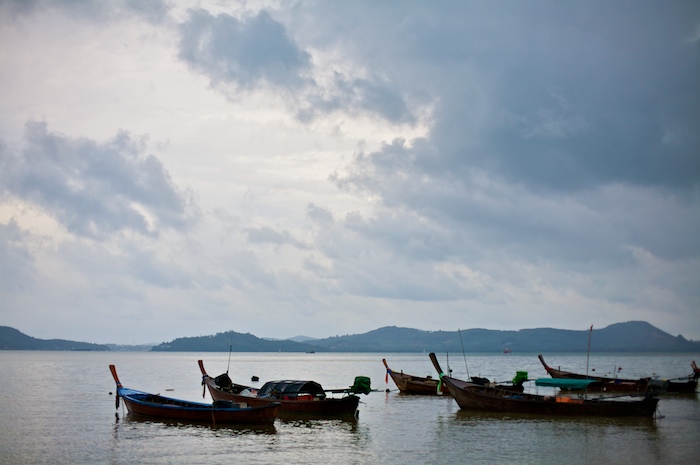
(566, 97)
(247, 52)
(351, 95)
(91, 188)
(539, 107)
(557, 96)
(258, 51)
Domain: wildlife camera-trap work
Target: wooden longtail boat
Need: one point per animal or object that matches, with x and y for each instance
(687, 384)
(296, 398)
(409, 384)
(428, 386)
(476, 397)
(157, 406)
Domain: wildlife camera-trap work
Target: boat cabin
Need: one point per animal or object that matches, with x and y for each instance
(292, 390)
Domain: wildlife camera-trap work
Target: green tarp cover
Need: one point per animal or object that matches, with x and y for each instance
(564, 383)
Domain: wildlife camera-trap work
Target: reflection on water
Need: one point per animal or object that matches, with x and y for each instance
(536, 439)
(191, 426)
(348, 424)
(596, 422)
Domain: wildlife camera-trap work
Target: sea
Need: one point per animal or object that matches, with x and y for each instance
(59, 408)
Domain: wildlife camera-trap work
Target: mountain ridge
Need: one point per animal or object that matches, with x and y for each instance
(631, 336)
(13, 339)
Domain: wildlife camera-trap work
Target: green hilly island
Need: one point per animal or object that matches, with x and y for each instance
(12, 339)
(632, 336)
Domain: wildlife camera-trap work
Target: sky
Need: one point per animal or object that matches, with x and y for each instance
(323, 168)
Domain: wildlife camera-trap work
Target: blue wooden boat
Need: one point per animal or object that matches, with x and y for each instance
(217, 413)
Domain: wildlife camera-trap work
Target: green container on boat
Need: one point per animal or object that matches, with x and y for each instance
(362, 385)
(520, 377)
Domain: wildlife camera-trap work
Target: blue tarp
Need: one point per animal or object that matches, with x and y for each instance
(564, 383)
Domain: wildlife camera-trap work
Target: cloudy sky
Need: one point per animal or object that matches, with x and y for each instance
(172, 169)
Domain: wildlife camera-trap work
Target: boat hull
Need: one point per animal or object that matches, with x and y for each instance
(155, 406)
(329, 407)
(470, 396)
(473, 396)
(678, 386)
(416, 385)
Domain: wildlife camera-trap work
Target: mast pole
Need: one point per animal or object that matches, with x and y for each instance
(230, 349)
(588, 355)
(463, 354)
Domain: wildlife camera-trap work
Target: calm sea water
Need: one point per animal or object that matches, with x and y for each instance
(59, 408)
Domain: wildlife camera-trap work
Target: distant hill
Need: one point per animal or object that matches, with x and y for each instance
(301, 339)
(12, 339)
(221, 342)
(131, 348)
(633, 336)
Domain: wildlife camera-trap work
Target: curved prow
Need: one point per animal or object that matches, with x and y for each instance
(113, 369)
(388, 370)
(436, 364)
(696, 370)
(205, 376)
(544, 364)
(201, 368)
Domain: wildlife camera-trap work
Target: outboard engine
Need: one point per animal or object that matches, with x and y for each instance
(656, 386)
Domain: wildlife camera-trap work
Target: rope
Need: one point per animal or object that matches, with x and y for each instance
(463, 354)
